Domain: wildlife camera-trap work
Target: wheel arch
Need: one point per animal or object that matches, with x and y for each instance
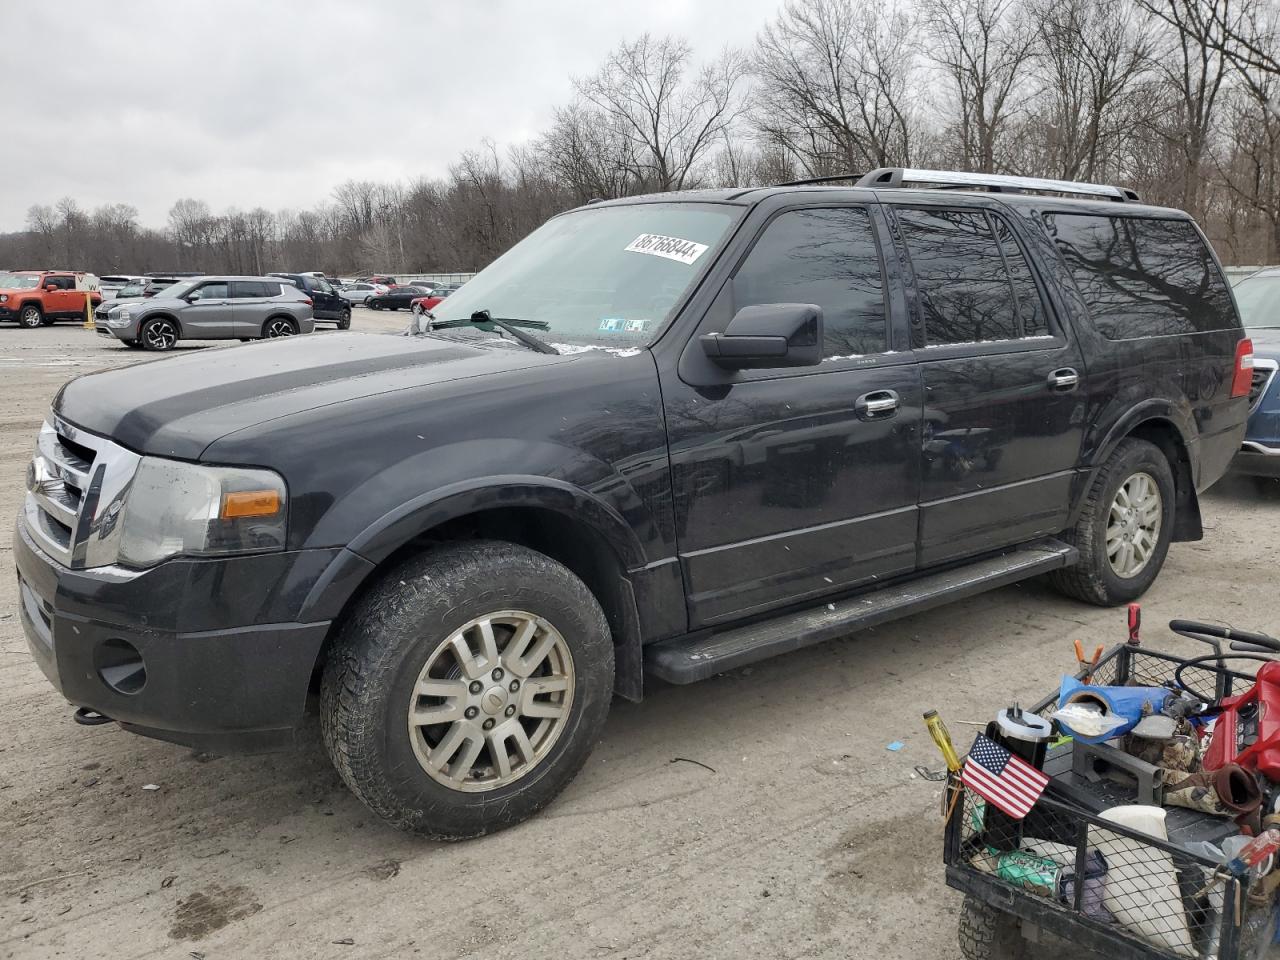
(1158, 424)
(561, 521)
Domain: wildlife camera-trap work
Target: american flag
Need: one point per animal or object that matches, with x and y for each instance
(996, 775)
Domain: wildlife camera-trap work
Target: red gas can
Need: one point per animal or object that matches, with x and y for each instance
(1247, 731)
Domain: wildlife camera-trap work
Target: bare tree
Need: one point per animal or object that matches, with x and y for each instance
(836, 85)
(670, 120)
(1090, 58)
(983, 48)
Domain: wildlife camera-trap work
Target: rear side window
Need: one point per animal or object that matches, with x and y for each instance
(827, 257)
(1143, 277)
(972, 279)
(243, 289)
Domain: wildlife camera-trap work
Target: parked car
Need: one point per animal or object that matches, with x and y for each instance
(111, 286)
(430, 301)
(327, 303)
(383, 279)
(209, 308)
(396, 297)
(476, 537)
(36, 298)
(155, 285)
(360, 292)
(1258, 296)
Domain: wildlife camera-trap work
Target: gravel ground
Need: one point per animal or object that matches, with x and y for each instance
(797, 833)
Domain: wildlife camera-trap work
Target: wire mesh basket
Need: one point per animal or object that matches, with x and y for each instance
(1103, 884)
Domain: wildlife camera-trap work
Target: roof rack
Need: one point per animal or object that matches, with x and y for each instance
(812, 180)
(894, 177)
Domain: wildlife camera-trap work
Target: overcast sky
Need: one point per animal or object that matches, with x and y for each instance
(274, 103)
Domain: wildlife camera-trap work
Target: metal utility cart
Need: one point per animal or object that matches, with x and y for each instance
(1160, 899)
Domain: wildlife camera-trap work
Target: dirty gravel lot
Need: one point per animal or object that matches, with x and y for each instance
(806, 838)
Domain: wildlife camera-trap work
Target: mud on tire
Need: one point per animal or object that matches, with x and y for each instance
(391, 639)
(1094, 579)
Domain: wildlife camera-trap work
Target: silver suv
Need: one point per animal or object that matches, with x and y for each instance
(208, 308)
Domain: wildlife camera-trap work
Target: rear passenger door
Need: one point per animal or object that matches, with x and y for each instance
(209, 313)
(1004, 384)
(249, 306)
(794, 483)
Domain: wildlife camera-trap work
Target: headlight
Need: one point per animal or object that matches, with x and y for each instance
(123, 315)
(184, 508)
(4, 298)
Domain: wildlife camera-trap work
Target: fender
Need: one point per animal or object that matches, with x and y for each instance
(384, 536)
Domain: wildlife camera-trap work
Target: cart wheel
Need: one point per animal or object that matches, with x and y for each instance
(989, 934)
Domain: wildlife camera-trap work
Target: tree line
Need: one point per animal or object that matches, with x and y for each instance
(1178, 99)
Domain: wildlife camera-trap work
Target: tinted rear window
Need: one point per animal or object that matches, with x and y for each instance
(1142, 277)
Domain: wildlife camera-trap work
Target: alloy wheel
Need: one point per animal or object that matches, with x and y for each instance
(280, 328)
(491, 701)
(1133, 525)
(160, 335)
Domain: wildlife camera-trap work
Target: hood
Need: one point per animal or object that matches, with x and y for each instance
(1266, 342)
(177, 406)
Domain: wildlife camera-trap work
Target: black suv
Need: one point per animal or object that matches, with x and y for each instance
(326, 302)
(667, 435)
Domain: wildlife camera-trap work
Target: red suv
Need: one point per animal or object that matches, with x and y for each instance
(37, 298)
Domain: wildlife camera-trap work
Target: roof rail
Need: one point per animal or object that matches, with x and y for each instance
(894, 177)
(811, 180)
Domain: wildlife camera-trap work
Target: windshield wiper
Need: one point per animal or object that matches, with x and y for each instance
(487, 321)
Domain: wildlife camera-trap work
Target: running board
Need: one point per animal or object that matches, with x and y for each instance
(685, 660)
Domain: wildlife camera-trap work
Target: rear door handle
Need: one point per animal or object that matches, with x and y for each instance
(1064, 380)
(876, 405)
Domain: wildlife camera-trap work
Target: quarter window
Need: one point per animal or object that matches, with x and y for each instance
(826, 257)
(1143, 277)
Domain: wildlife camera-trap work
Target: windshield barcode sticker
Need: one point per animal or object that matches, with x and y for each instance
(673, 248)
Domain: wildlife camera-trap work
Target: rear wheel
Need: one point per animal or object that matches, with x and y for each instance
(1124, 530)
(467, 689)
(988, 934)
(159, 334)
(374, 304)
(279, 327)
(31, 317)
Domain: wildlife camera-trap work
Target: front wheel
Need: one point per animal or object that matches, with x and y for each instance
(374, 304)
(31, 317)
(344, 320)
(467, 689)
(159, 334)
(1123, 532)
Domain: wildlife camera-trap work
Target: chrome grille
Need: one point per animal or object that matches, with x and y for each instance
(75, 490)
(1263, 372)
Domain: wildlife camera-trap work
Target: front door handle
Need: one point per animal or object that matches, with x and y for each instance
(876, 405)
(1064, 380)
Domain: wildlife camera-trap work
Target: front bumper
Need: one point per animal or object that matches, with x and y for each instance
(227, 668)
(128, 331)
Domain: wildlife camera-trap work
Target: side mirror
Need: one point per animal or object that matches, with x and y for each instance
(768, 336)
(51, 287)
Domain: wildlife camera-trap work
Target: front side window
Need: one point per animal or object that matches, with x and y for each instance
(964, 287)
(826, 257)
(606, 276)
(210, 291)
(1143, 277)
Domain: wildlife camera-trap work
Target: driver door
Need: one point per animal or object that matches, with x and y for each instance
(209, 314)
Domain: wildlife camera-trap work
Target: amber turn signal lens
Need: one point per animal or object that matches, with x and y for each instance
(250, 503)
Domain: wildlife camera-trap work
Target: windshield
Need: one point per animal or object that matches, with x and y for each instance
(19, 281)
(606, 277)
(131, 290)
(1258, 297)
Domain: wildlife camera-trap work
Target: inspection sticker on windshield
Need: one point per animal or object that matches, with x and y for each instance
(673, 248)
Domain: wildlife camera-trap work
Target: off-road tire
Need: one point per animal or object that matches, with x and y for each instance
(30, 317)
(1092, 578)
(986, 933)
(374, 664)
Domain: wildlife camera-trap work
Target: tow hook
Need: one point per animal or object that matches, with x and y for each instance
(90, 718)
